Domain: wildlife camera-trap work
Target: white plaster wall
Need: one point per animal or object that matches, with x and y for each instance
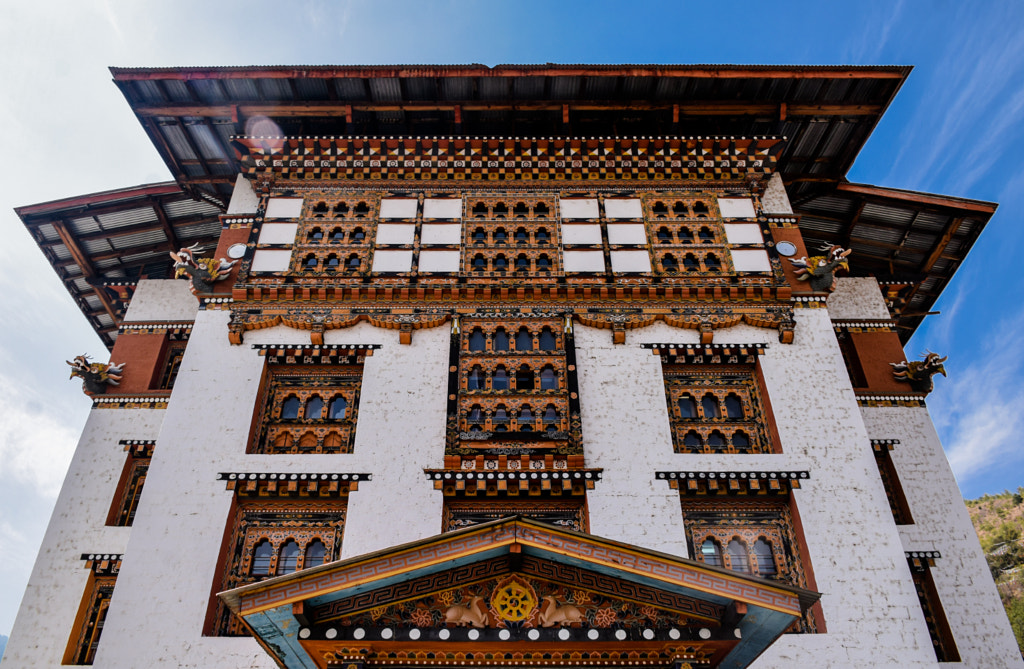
(857, 556)
(162, 300)
(774, 200)
(941, 523)
(46, 618)
(857, 298)
(243, 199)
(165, 583)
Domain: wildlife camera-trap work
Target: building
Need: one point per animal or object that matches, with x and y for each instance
(512, 366)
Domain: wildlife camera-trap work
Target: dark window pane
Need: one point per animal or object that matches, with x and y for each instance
(288, 559)
(290, 408)
(261, 558)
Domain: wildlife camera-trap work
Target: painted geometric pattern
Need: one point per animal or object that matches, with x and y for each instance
(728, 159)
(569, 514)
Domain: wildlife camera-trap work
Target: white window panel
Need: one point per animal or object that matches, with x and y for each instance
(396, 233)
(271, 260)
(439, 261)
(751, 260)
(278, 233)
(392, 261)
(581, 233)
(438, 208)
(630, 261)
(284, 207)
(736, 207)
(398, 208)
(743, 233)
(623, 208)
(578, 208)
(583, 261)
(441, 233)
(627, 233)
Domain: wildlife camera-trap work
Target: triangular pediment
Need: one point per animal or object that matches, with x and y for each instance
(511, 587)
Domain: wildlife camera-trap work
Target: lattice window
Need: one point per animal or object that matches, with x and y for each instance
(716, 409)
(278, 526)
(934, 617)
(129, 487)
(172, 362)
(568, 513)
(308, 409)
(750, 536)
(891, 481)
(511, 235)
(92, 612)
(335, 234)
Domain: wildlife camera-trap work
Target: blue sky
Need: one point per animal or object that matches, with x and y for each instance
(955, 128)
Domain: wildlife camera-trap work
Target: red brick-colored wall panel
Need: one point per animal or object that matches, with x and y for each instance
(792, 235)
(143, 355)
(874, 351)
(228, 237)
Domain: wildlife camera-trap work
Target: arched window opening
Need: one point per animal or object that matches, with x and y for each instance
(524, 340)
(716, 440)
(540, 211)
(692, 440)
(316, 234)
(500, 379)
(669, 263)
(659, 209)
(500, 341)
(690, 263)
(711, 553)
(337, 235)
(709, 403)
(685, 236)
(308, 441)
(700, 209)
(542, 236)
(332, 442)
(290, 408)
(475, 378)
(550, 414)
(333, 262)
(261, 555)
(524, 378)
(309, 263)
(679, 208)
(738, 558)
(316, 553)
(340, 209)
(740, 440)
(475, 415)
(548, 379)
(733, 406)
(314, 407)
(479, 210)
(288, 558)
(664, 236)
(712, 262)
(500, 236)
(547, 340)
(687, 407)
(520, 210)
(500, 263)
(352, 264)
(525, 418)
(283, 441)
(479, 236)
(338, 408)
(477, 341)
(522, 263)
(500, 414)
(705, 236)
(500, 210)
(362, 209)
(357, 236)
(521, 236)
(479, 263)
(765, 559)
(543, 264)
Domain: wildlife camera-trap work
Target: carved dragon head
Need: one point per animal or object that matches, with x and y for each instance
(79, 365)
(185, 257)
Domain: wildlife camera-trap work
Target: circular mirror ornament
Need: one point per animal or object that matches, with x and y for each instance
(236, 251)
(786, 248)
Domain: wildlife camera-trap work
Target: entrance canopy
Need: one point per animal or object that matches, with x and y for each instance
(516, 592)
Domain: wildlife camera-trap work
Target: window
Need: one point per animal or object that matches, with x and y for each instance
(891, 481)
(308, 408)
(129, 486)
(718, 407)
(277, 528)
(492, 235)
(172, 362)
(92, 611)
(934, 616)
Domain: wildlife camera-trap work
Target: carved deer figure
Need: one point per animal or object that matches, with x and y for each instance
(919, 373)
(553, 614)
(473, 614)
(203, 272)
(96, 375)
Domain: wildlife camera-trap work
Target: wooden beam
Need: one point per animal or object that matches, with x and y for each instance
(131, 230)
(891, 197)
(88, 271)
(168, 229)
(941, 244)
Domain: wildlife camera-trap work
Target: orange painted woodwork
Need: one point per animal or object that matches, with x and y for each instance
(143, 355)
(870, 353)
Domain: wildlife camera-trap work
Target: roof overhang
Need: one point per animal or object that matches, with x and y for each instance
(403, 604)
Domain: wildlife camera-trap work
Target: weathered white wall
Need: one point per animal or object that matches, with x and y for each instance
(164, 588)
(941, 523)
(857, 298)
(162, 300)
(46, 618)
(243, 199)
(775, 200)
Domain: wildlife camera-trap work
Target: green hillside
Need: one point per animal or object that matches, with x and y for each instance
(999, 522)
